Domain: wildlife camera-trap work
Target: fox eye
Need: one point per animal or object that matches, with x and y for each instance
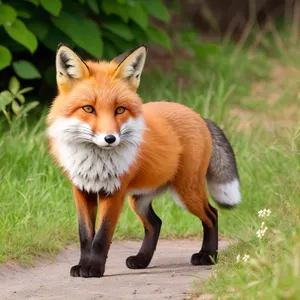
(88, 109)
(120, 110)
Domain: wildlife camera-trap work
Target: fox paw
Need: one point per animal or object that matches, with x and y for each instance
(75, 271)
(91, 271)
(204, 258)
(86, 271)
(137, 262)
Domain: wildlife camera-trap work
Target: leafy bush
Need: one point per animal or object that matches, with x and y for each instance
(14, 99)
(30, 31)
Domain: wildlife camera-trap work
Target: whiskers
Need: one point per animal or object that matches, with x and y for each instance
(74, 132)
(71, 131)
(131, 132)
(79, 134)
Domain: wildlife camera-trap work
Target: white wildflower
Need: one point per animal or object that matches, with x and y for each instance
(261, 213)
(238, 258)
(264, 213)
(246, 257)
(261, 232)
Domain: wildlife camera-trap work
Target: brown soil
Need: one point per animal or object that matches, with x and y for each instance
(169, 275)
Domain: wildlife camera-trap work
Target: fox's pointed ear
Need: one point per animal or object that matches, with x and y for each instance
(69, 67)
(131, 65)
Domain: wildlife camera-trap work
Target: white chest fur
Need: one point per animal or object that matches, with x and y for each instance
(90, 167)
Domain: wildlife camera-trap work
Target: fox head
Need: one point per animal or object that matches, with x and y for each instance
(97, 102)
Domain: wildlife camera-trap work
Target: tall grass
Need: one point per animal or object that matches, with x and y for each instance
(273, 268)
(37, 213)
(268, 266)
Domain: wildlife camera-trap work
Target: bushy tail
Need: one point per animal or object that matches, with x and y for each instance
(222, 174)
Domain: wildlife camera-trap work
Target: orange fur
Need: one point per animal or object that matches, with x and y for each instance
(86, 206)
(176, 147)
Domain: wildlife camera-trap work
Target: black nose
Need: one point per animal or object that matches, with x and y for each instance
(110, 139)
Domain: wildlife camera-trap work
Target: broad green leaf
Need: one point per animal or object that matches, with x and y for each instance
(52, 6)
(139, 15)
(21, 98)
(26, 70)
(28, 107)
(14, 85)
(19, 32)
(15, 107)
(157, 9)
(140, 35)
(110, 50)
(34, 2)
(25, 90)
(111, 7)
(7, 14)
(160, 37)
(39, 28)
(5, 57)
(24, 14)
(54, 36)
(85, 33)
(120, 44)
(93, 4)
(119, 29)
(5, 98)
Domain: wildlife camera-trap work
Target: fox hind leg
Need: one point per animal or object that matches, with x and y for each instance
(209, 250)
(195, 200)
(142, 207)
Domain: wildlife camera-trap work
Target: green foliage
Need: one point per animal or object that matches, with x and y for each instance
(37, 211)
(190, 40)
(272, 269)
(5, 57)
(30, 31)
(12, 101)
(18, 31)
(26, 70)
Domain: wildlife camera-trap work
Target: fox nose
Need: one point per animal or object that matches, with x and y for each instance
(109, 139)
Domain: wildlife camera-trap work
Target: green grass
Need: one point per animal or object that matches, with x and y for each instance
(269, 165)
(37, 212)
(270, 177)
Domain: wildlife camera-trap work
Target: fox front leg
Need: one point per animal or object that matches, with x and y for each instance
(86, 205)
(110, 209)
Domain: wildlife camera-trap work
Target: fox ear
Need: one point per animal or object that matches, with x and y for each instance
(69, 67)
(130, 65)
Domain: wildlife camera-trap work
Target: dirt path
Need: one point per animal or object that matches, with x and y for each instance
(169, 275)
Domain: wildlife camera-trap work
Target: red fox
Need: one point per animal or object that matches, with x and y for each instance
(110, 145)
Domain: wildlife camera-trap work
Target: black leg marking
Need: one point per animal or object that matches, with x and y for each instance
(87, 208)
(85, 250)
(209, 251)
(152, 231)
(95, 267)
